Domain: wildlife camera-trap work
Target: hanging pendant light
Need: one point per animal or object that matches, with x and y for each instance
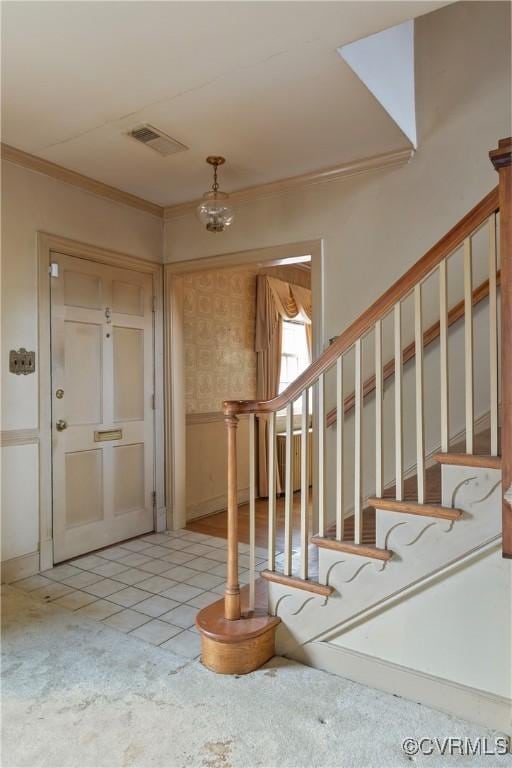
(214, 210)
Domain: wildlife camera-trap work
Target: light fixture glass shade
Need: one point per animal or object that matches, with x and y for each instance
(215, 212)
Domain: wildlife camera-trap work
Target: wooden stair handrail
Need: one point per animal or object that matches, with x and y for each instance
(431, 334)
(401, 288)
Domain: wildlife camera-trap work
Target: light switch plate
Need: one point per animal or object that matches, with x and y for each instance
(21, 361)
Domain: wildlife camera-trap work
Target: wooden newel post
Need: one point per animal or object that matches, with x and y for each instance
(230, 644)
(501, 158)
(232, 593)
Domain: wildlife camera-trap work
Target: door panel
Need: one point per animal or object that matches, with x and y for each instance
(82, 290)
(83, 372)
(84, 487)
(128, 478)
(102, 366)
(128, 299)
(128, 374)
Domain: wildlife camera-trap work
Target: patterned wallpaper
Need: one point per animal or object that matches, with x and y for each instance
(219, 308)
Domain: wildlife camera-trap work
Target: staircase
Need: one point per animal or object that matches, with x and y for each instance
(414, 543)
(381, 529)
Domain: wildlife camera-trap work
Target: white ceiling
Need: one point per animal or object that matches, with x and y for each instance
(259, 82)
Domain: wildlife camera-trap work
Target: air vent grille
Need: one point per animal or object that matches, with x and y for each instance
(156, 140)
(144, 134)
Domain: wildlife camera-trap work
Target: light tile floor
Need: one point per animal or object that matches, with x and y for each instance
(151, 587)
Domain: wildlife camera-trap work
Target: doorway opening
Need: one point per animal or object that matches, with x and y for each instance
(215, 305)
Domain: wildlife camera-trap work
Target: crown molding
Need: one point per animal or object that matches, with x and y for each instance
(38, 164)
(282, 186)
(249, 194)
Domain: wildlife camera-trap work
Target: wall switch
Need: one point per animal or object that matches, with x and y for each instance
(21, 361)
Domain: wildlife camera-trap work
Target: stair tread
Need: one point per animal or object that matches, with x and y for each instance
(298, 582)
(364, 549)
(414, 508)
(484, 460)
(410, 498)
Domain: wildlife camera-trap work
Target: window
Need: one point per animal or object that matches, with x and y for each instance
(294, 354)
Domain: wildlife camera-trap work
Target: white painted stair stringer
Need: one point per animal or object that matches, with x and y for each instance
(486, 548)
(423, 548)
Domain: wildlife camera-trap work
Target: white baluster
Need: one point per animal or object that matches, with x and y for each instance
(468, 342)
(420, 442)
(339, 449)
(272, 492)
(398, 404)
(288, 492)
(443, 351)
(321, 454)
(358, 438)
(252, 510)
(304, 487)
(378, 409)
(493, 336)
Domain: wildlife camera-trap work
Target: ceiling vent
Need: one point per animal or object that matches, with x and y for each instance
(157, 140)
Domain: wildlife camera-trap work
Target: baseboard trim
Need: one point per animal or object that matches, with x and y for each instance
(161, 519)
(214, 505)
(20, 567)
(472, 704)
(45, 554)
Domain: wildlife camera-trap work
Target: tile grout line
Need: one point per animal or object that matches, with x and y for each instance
(192, 540)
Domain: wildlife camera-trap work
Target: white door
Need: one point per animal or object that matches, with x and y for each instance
(102, 405)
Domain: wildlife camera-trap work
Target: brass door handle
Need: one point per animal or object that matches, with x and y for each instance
(61, 425)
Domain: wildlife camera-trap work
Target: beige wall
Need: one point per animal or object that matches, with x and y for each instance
(207, 467)
(32, 202)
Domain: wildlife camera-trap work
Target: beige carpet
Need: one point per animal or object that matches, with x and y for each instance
(78, 693)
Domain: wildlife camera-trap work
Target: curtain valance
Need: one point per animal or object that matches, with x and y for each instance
(278, 299)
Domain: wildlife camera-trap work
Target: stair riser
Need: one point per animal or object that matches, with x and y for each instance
(466, 486)
(390, 525)
(421, 546)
